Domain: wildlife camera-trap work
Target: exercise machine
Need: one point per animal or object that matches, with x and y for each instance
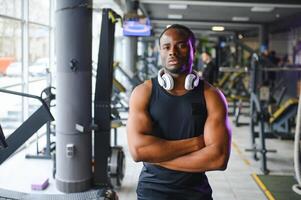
(48, 96)
(99, 194)
(3, 143)
(40, 117)
(269, 125)
(109, 161)
(234, 85)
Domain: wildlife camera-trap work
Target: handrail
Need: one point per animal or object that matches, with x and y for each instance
(269, 69)
(24, 95)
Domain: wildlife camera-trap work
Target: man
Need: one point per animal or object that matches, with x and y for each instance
(210, 71)
(177, 125)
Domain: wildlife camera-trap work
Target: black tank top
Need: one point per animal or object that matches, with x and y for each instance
(177, 117)
(174, 118)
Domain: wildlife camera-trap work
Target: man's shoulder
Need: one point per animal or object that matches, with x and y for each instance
(212, 92)
(143, 89)
(141, 95)
(146, 85)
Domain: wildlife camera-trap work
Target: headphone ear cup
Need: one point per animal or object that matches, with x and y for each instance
(165, 80)
(189, 81)
(160, 80)
(192, 80)
(168, 80)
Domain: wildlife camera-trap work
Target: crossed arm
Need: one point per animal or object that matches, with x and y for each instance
(217, 139)
(203, 153)
(143, 146)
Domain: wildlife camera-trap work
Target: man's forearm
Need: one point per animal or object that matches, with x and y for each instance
(159, 150)
(207, 159)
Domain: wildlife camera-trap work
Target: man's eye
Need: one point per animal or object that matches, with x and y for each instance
(182, 46)
(166, 47)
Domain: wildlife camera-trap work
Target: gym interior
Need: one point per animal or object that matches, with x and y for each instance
(68, 67)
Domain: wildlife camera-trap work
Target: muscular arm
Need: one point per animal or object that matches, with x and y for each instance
(142, 145)
(217, 138)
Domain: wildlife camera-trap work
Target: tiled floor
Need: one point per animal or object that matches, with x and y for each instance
(235, 183)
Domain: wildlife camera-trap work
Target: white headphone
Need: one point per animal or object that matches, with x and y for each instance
(166, 81)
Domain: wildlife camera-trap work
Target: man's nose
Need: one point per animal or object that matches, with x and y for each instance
(173, 51)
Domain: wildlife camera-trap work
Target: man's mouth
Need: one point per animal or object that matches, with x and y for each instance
(173, 62)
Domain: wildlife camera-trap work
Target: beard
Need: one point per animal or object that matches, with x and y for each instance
(185, 68)
(176, 70)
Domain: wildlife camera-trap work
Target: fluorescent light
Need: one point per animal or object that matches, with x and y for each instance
(218, 28)
(177, 6)
(262, 9)
(240, 19)
(174, 16)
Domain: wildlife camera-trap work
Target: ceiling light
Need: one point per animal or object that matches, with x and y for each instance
(241, 19)
(174, 16)
(218, 28)
(262, 9)
(177, 6)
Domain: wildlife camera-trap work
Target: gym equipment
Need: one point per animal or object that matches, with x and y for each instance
(40, 184)
(134, 80)
(117, 165)
(106, 174)
(116, 161)
(297, 187)
(48, 96)
(96, 194)
(28, 128)
(119, 103)
(280, 119)
(3, 143)
(166, 81)
(147, 62)
(234, 85)
(276, 124)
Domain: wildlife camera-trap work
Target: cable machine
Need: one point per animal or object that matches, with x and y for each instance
(109, 162)
(264, 124)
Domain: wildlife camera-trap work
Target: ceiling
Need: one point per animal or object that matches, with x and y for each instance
(202, 15)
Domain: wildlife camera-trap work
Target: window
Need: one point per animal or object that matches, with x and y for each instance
(39, 11)
(11, 8)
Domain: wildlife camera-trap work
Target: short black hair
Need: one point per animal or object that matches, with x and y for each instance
(189, 33)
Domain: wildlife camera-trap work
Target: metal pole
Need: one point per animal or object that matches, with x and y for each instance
(297, 187)
(74, 91)
(254, 62)
(130, 43)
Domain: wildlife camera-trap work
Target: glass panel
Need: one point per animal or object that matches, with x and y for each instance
(10, 52)
(10, 74)
(38, 62)
(11, 8)
(39, 11)
(38, 51)
(38, 66)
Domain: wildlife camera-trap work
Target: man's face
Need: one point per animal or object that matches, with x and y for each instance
(205, 57)
(176, 51)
